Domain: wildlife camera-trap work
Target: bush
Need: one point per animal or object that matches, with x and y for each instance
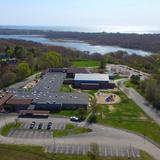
(92, 118)
(135, 79)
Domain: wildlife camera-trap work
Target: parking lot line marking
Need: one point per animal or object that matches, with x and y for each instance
(105, 151)
(57, 148)
(72, 149)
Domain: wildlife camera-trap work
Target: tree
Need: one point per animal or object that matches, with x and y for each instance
(51, 60)
(135, 79)
(102, 64)
(1, 84)
(9, 51)
(81, 113)
(94, 106)
(92, 117)
(20, 52)
(30, 60)
(156, 102)
(150, 90)
(143, 85)
(8, 78)
(23, 70)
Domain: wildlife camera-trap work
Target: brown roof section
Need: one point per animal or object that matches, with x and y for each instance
(23, 101)
(33, 112)
(77, 70)
(4, 97)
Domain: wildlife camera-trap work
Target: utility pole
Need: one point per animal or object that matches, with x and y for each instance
(54, 144)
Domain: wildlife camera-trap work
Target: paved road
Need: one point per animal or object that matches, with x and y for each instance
(101, 135)
(140, 101)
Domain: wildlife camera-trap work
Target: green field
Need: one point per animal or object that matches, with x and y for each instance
(85, 63)
(119, 77)
(70, 129)
(90, 92)
(69, 113)
(22, 152)
(66, 88)
(7, 128)
(127, 115)
(129, 84)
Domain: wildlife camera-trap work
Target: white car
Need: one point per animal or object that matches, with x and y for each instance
(74, 119)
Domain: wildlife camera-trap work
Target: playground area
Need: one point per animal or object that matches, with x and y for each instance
(107, 98)
(30, 85)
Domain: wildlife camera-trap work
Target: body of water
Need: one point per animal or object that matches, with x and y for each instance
(74, 44)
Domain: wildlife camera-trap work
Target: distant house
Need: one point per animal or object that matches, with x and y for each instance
(3, 56)
(11, 61)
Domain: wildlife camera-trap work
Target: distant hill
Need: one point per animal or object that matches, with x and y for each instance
(146, 42)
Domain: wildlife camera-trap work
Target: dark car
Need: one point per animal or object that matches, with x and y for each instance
(32, 125)
(40, 126)
(49, 125)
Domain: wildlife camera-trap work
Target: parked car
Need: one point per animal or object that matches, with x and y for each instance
(32, 125)
(74, 119)
(40, 126)
(49, 125)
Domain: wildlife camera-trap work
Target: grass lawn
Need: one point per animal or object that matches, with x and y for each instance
(66, 88)
(6, 129)
(127, 115)
(67, 113)
(85, 63)
(22, 152)
(70, 130)
(118, 77)
(90, 92)
(129, 84)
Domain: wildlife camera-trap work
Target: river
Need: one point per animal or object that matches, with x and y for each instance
(79, 45)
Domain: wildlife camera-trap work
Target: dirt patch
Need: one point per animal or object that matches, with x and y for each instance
(107, 98)
(31, 84)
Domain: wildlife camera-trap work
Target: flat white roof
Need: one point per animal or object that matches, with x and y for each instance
(91, 77)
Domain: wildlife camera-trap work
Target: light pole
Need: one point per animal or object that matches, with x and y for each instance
(54, 144)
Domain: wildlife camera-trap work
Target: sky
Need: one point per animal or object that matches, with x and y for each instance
(101, 14)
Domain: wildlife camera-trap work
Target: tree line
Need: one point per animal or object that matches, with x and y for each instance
(146, 42)
(151, 90)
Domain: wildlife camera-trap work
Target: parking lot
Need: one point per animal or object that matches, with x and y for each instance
(106, 151)
(26, 131)
(54, 126)
(51, 82)
(38, 134)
